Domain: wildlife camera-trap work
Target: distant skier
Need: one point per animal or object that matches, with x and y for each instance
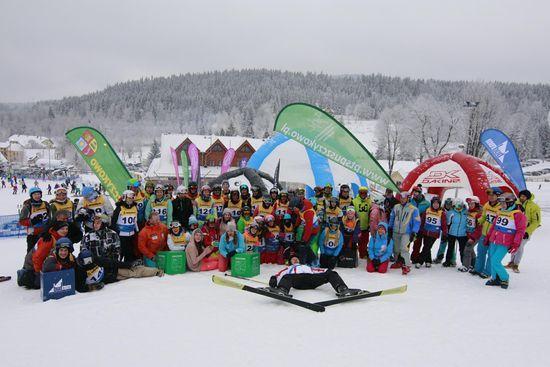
(49, 189)
(3, 183)
(305, 277)
(23, 187)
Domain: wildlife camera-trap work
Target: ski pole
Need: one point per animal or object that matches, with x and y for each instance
(243, 278)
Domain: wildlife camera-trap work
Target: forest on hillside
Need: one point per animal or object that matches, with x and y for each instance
(418, 118)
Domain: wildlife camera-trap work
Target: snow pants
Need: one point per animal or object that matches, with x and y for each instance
(269, 257)
(496, 254)
(379, 267)
(441, 250)
(311, 281)
(416, 257)
(401, 247)
(363, 243)
(516, 258)
(468, 255)
(451, 247)
(328, 261)
(137, 272)
(483, 261)
(127, 248)
(426, 254)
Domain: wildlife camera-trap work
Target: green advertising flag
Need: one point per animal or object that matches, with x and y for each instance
(185, 167)
(102, 159)
(322, 133)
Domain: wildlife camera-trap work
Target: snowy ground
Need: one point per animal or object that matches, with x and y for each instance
(446, 318)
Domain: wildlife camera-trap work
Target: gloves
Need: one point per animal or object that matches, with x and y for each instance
(526, 236)
(411, 237)
(37, 219)
(273, 281)
(230, 254)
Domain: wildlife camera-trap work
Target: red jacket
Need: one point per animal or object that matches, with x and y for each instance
(43, 248)
(152, 239)
(210, 234)
(308, 214)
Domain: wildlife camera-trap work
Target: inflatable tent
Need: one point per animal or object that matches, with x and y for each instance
(457, 170)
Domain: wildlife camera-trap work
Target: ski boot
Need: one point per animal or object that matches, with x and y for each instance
(473, 272)
(446, 264)
(504, 284)
(494, 282)
(344, 291)
(428, 265)
(463, 269)
(405, 270)
(278, 291)
(438, 260)
(483, 276)
(510, 265)
(515, 269)
(417, 266)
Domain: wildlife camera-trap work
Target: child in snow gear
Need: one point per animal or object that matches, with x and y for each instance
(422, 205)
(197, 253)
(266, 208)
(433, 226)
(35, 215)
(225, 220)
(457, 219)
(344, 198)
(88, 275)
(377, 215)
(231, 243)
(350, 231)
(193, 224)
(256, 199)
(532, 213)
(252, 239)
(139, 198)
(306, 218)
(362, 204)
(235, 204)
(331, 241)
(62, 202)
(305, 277)
(404, 225)
(490, 211)
(218, 199)
(205, 204)
(288, 237)
(245, 195)
(193, 190)
(91, 205)
(245, 220)
(473, 232)
(274, 194)
(177, 237)
(504, 236)
(280, 208)
(161, 204)
(380, 250)
(182, 207)
(62, 258)
(124, 222)
(332, 211)
(447, 206)
(270, 238)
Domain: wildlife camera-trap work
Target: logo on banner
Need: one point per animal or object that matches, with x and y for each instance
(442, 177)
(499, 150)
(59, 287)
(87, 144)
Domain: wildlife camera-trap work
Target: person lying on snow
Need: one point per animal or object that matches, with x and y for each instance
(305, 277)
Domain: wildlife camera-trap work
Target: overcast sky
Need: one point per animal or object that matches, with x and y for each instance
(50, 49)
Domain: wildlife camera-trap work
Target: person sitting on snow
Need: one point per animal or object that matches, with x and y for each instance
(380, 250)
(231, 243)
(305, 277)
(178, 239)
(197, 253)
(62, 258)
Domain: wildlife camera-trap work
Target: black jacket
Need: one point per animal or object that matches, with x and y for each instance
(182, 209)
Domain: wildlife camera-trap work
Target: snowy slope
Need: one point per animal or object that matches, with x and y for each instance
(445, 319)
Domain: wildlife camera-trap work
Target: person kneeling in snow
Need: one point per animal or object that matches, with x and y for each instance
(380, 250)
(331, 241)
(305, 277)
(62, 258)
(231, 243)
(197, 253)
(89, 276)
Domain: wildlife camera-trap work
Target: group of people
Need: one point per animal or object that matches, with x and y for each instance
(214, 223)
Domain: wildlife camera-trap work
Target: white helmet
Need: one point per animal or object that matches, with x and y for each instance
(181, 190)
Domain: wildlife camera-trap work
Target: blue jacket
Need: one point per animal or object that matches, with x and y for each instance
(457, 222)
(226, 247)
(331, 251)
(405, 219)
(379, 248)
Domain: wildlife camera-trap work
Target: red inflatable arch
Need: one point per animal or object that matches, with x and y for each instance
(457, 170)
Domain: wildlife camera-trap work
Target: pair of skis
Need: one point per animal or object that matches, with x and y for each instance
(317, 306)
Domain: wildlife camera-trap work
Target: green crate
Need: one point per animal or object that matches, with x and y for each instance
(246, 264)
(172, 262)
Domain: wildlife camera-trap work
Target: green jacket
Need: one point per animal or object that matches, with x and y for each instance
(532, 212)
(362, 208)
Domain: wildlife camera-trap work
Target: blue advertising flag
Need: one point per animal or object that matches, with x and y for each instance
(503, 151)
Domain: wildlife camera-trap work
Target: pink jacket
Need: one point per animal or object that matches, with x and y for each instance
(500, 237)
(376, 216)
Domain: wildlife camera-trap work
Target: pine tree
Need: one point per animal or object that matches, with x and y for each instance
(153, 153)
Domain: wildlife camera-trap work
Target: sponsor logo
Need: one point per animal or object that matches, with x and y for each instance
(442, 177)
(499, 150)
(87, 144)
(59, 287)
